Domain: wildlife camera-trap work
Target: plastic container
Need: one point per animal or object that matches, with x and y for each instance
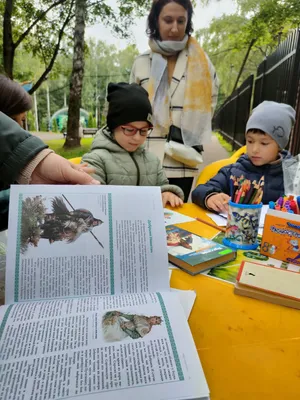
(242, 226)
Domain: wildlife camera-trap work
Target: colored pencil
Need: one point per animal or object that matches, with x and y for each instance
(243, 191)
(212, 225)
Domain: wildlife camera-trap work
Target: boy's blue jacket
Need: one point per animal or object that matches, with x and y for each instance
(273, 189)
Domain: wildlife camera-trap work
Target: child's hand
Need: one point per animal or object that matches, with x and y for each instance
(169, 197)
(218, 202)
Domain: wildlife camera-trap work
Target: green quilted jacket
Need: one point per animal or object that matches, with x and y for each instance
(116, 166)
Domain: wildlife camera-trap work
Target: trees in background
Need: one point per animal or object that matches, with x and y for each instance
(38, 38)
(127, 10)
(103, 63)
(238, 43)
(37, 27)
(44, 29)
(73, 139)
(42, 32)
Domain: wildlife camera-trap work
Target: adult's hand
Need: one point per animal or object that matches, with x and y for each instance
(55, 169)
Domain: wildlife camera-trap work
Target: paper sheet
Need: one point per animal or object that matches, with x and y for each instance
(173, 217)
(218, 219)
(186, 298)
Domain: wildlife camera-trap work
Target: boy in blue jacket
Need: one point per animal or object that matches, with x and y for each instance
(267, 134)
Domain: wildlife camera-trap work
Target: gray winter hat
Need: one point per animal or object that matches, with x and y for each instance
(273, 118)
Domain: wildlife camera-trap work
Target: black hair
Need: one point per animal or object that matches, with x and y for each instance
(13, 97)
(157, 5)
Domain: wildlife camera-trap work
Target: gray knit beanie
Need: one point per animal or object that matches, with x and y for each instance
(275, 119)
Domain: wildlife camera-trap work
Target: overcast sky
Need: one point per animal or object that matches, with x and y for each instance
(202, 18)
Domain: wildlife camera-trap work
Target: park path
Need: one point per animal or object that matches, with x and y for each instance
(213, 151)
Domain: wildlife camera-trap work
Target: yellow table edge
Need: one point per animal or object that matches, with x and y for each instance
(249, 349)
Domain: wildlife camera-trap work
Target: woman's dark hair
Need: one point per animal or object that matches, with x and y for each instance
(157, 5)
(13, 97)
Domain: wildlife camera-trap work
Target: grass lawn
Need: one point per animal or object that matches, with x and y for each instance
(227, 146)
(57, 146)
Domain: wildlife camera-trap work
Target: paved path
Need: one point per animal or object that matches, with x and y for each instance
(48, 135)
(213, 151)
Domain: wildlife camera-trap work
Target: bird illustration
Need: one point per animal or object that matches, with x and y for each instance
(65, 225)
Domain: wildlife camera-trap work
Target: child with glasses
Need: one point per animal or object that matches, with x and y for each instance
(118, 151)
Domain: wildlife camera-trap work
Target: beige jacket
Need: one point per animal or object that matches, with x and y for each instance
(156, 143)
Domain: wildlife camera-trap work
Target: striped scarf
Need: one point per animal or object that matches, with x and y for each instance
(197, 104)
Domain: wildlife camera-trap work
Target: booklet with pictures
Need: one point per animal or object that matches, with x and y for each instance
(195, 254)
(89, 312)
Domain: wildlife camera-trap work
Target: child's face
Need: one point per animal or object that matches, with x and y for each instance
(20, 118)
(130, 140)
(261, 148)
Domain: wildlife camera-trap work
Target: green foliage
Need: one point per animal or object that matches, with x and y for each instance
(227, 38)
(57, 146)
(227, 146)
(31, 121)
(104, 64)
(43, 125)
(33, 212)
(54, 126)
(91, 121)
(36, 26)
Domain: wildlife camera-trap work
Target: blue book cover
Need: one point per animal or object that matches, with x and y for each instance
(195, 250)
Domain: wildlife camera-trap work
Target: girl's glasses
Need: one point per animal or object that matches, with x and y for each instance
(130, 130)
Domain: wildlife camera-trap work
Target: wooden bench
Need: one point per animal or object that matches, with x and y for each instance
(90, 131)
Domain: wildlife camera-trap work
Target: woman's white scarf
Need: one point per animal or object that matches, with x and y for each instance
(197, 106)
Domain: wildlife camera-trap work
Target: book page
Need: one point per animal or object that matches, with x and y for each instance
(69, 241)
(173, 217)
(108, 347)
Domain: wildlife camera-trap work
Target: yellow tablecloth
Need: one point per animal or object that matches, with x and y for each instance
(249, 349)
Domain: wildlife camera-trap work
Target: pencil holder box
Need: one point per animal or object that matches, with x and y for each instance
(242, 226)
(281, 236)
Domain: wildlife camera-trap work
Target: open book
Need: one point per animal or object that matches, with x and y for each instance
(89, 313)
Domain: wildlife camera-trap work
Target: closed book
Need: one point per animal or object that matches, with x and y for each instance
(193, 253)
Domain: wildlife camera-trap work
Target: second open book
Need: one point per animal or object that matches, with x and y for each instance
(89, 313)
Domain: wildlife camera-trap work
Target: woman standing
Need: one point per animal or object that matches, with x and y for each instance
(183, 89)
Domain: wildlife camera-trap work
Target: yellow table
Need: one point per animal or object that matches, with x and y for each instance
(249, 349)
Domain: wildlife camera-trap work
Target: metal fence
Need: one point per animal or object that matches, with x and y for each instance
(278, 79)
(232, 116)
